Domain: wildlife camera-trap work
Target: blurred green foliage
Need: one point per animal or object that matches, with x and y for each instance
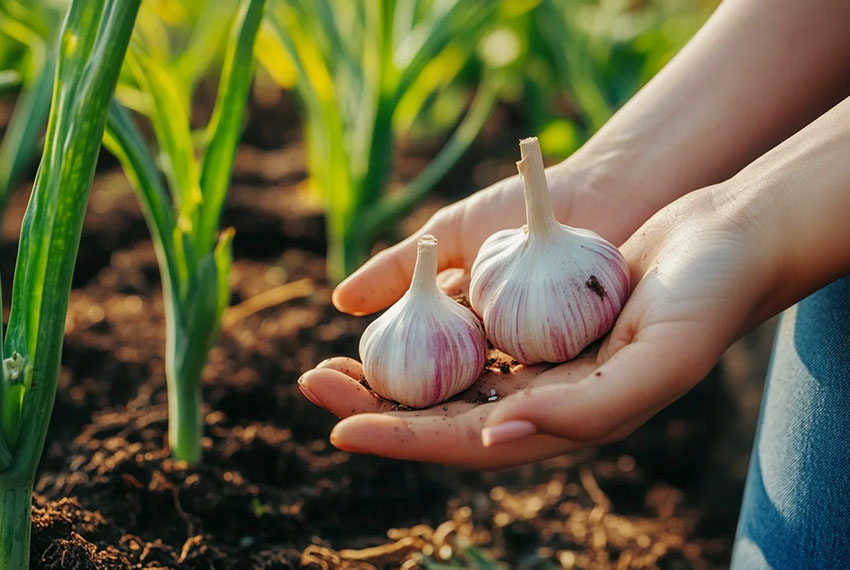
(27, 34)
(367, 73)
(186, 39)
(590, 56)
(370, 72)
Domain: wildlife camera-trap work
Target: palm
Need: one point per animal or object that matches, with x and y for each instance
(688, 304)
(449, 432)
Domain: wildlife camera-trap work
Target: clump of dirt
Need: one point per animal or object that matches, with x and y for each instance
(594, 285)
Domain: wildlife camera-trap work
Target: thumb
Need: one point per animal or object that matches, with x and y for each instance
(383, 279)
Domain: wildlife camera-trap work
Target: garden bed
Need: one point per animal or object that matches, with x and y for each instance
(272, 492)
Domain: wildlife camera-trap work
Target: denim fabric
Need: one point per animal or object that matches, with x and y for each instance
(796, 509)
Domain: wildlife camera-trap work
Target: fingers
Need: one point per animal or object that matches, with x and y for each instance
(656, 368)
(454, 281)
(343, 364)
(339, 393)
(383, 279)
(438, 438)
(453, 439)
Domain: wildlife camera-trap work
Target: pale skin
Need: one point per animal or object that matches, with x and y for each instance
(719, 235)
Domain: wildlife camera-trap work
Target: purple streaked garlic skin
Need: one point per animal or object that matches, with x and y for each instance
(546, 291)
(426, 347)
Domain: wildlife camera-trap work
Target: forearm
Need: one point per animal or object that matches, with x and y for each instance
(757, 72)
(797, 199)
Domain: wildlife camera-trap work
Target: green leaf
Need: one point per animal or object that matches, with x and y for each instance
(170, 122)
(225, 126)
(20, 141)
(93, 43)
(10, 81)
(569, 48)
(208, 31)
(223, 256)
(390, 209)
(123, 139)
(464, 18)
(92, 47)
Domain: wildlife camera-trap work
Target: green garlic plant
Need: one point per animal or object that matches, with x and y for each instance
(194, 258)
(365, 71)
(94, 39)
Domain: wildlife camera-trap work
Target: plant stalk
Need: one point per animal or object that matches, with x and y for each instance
(185, 424)
(183, 365)
(15, 527)
(347, 251)
(539, 213)
(425, 271)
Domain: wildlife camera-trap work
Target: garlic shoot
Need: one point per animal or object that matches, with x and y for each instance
(426, 347)
(545, 291)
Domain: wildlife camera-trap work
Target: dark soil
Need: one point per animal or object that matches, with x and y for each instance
(594, 285)
(271, 492)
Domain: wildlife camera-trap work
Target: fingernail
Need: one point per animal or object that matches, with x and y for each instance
(506, 432)
(335, 295)
(343, 446)
(308, 393)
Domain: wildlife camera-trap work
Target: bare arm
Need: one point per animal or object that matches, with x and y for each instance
(757, 72)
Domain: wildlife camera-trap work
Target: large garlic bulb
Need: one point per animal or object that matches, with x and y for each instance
(546, 290)
(426, 347)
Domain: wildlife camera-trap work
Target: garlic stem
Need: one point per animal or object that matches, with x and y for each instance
(539, 213)
(425, 270)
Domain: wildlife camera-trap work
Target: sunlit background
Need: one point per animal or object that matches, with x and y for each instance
(364, 118)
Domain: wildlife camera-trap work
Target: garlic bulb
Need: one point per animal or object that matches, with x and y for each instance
(545, 291)
(426, 347)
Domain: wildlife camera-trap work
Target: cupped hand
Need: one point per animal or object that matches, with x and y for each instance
(702, 276)
(462, 227)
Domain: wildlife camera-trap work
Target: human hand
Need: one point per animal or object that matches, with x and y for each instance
(462, 227)
(702, 278)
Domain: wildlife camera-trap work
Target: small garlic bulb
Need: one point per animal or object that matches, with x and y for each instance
(426, 347)
(545, 291)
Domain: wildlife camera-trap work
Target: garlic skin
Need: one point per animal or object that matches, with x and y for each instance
(426, 347)
(545, 291)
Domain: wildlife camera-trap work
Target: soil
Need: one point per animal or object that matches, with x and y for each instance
(594, 285)
(272, 492)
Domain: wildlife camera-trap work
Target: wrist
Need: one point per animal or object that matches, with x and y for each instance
(600, 191)
(797, 248)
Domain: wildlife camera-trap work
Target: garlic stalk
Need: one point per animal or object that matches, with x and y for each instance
(426, 347)
(545, 291)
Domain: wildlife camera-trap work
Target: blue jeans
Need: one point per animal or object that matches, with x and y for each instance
(796, 509)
